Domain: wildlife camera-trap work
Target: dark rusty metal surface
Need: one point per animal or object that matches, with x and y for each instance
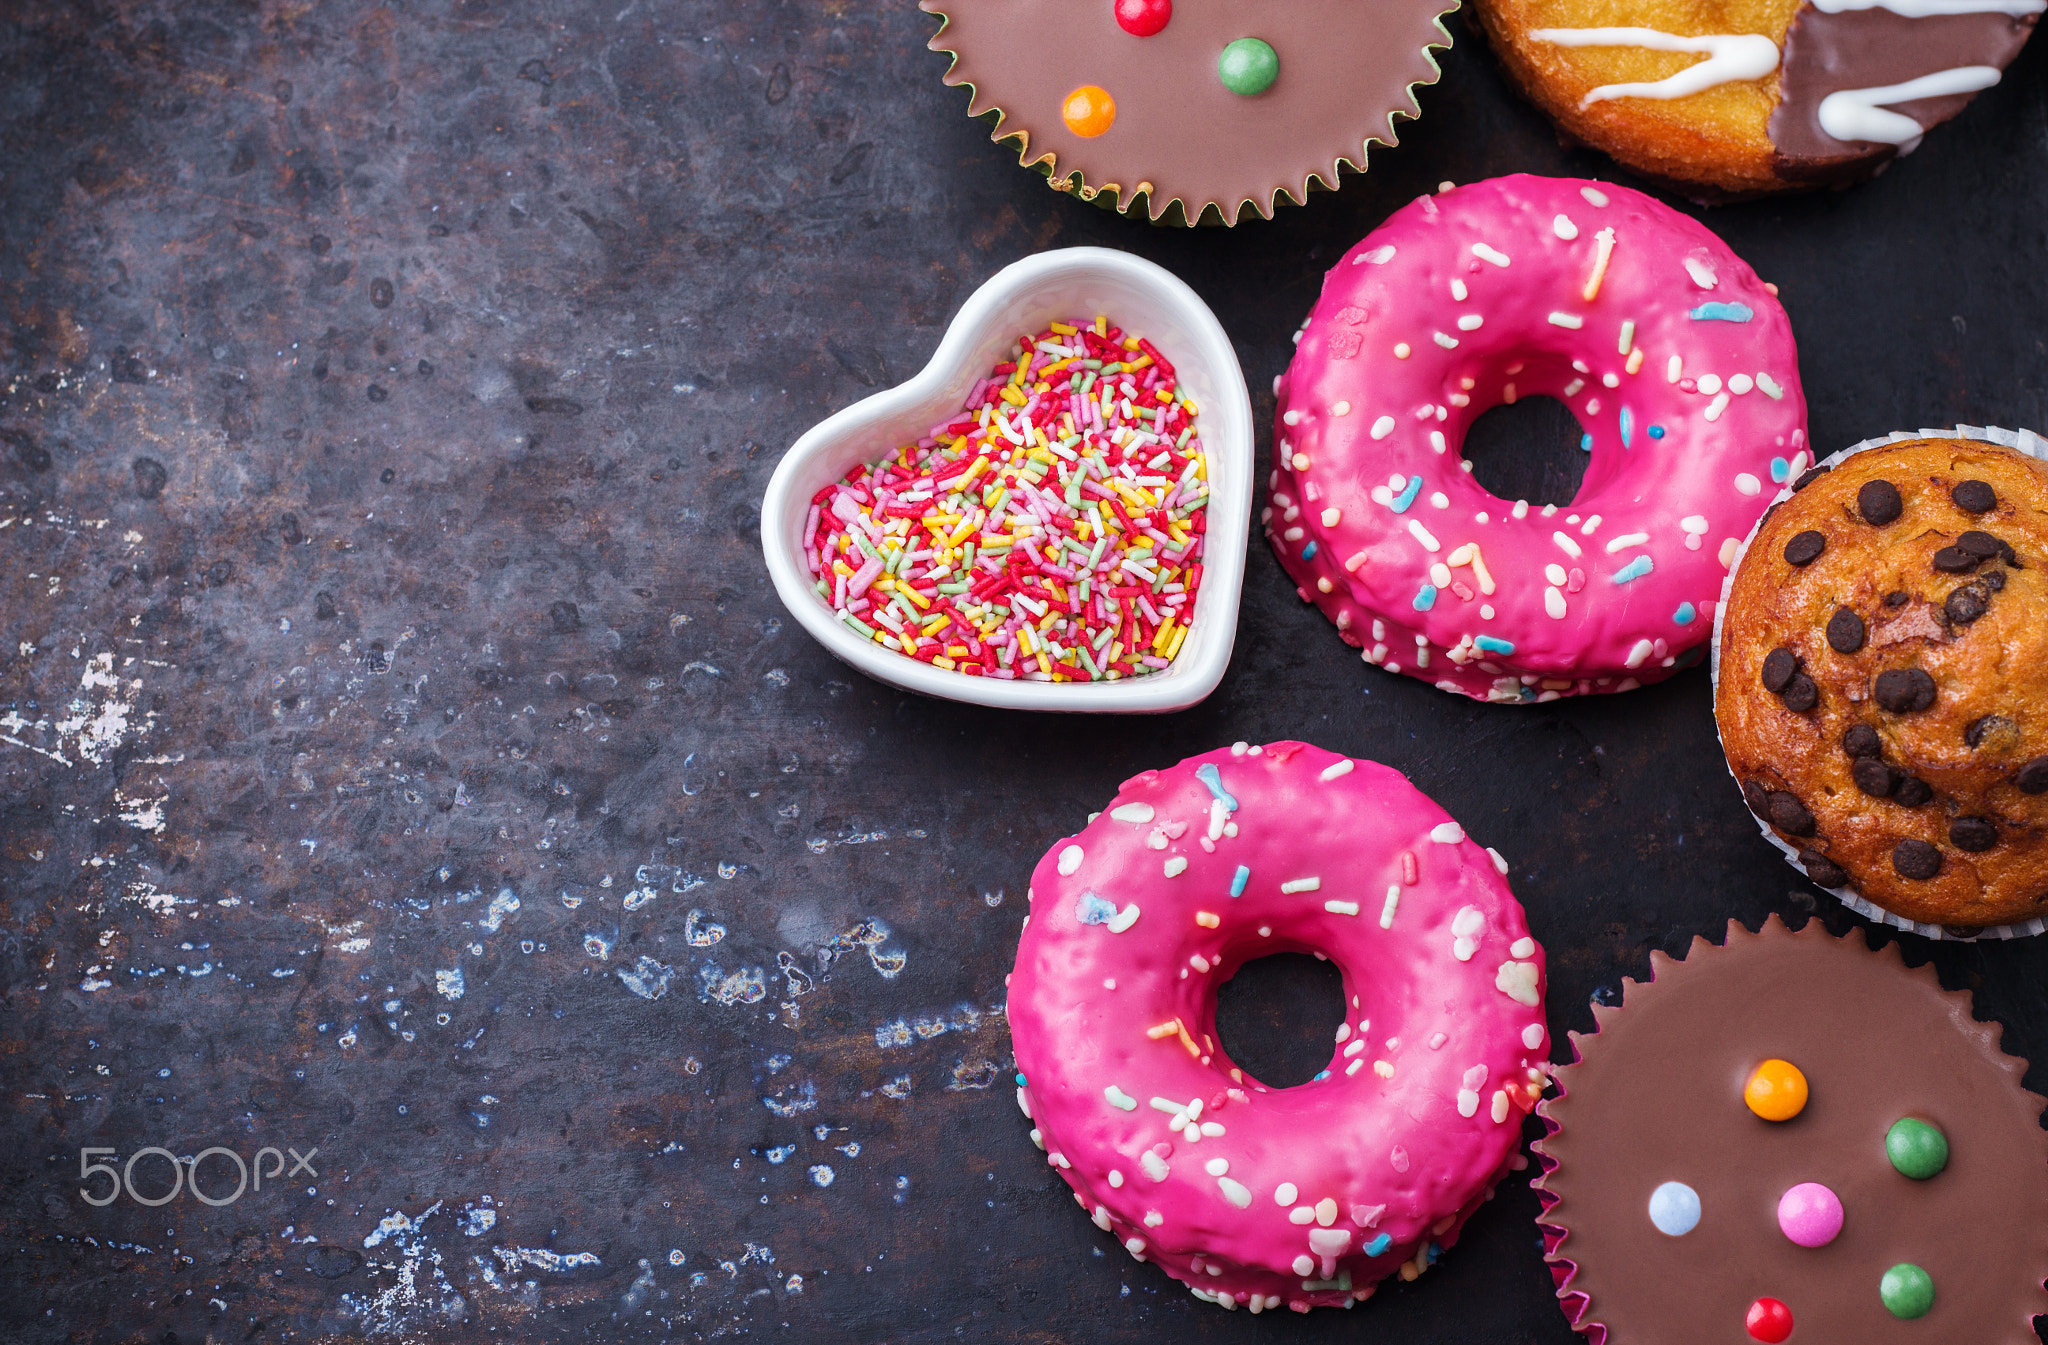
(389, 391)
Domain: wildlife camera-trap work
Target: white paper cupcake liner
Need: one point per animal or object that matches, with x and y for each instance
(2024, 441)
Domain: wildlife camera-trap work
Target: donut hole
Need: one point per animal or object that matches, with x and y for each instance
(1528, 451)
(1277, 1018)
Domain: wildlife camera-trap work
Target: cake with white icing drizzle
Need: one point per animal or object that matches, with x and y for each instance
(1735, 98)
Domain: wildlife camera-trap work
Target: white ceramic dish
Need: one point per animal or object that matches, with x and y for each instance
(2025, 441)
(1072, 282)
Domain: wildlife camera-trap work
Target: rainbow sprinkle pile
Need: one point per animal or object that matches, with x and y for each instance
(1052, 531)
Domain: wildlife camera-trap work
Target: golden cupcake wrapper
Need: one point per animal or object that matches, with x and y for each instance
(2022, 441)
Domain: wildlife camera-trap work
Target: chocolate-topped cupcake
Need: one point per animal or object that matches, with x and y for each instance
(1791, 1138)
(1742, 97)
(1198, 106)
(1882, 679)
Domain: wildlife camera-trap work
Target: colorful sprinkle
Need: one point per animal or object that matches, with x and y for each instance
(1722, 313)
(1378, 1244)
(1088, 111)
(1776, 1090)
(1143, 18)
(1425, 598)
(1093, 909)
(1780, 470)
(1769, 1321)
(1810, 1214)
(1675, 1209)
(1916, 1149)
(1907, 1291)
(1656, 431)
(1685, 614)
(1635, 569)
(1492, 645)
(1207, 774)
(1238, 880)
(1309, 552)
(1628, 428)
(1407, 495)
(1051, 532)
(1248, 67)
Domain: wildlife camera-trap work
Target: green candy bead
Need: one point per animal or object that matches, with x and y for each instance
(1916, 1148)
(1248, 66)
(1907, 1291)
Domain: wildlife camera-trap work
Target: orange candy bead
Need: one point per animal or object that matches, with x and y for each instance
(1776, 1090)
(1088, 111)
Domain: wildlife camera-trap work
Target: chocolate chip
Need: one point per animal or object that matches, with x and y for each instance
(1873, 777)
(1846, 632)
(1789, 815)
(1955, 560)
(1808, 477)
(1862, 741)
(2033, 777)
(1779, 666)
(1757, 797)
(1897, 598)
(1916, 859)
(1879, 502)
(1912, 792)
(1806, 548)
(1974, 497)
(1980, 729)
(1995, 581)
(1822, 869)
(1801, 696)
(1972, 833)
(1903, 690)
(2010, 556)
(1966, 604)
(1982, 545)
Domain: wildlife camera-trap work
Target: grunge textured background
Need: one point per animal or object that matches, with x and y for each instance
(403, 757)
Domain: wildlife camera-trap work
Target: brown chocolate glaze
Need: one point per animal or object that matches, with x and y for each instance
(1656, 1096)
(1347, 68)
(1869, 49)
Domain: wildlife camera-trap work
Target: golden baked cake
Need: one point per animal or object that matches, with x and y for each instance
(1742, 97)
(1883, 694)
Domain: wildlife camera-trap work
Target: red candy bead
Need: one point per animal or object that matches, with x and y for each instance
(1143, 18)
(1769, 1321)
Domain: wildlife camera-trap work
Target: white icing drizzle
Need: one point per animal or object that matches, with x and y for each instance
(1731, 57)
(1930, 9)
(1860, 114)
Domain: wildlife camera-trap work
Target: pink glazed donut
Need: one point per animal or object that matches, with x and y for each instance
(1677, 361)
(1256, 1196)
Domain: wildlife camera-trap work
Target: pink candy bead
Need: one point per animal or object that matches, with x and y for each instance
(1810, 1214)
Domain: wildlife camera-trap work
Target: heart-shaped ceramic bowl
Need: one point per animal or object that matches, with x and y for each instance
(1023, 297)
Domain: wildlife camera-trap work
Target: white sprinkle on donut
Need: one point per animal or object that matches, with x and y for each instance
(1517, 980)
(1447, 833)
(1563, 227)
(1070, 860)
(1132, 812)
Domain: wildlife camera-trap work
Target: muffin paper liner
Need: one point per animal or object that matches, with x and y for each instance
(2023, 441)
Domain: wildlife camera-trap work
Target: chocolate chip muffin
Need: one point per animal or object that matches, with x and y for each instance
(1883, 694)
